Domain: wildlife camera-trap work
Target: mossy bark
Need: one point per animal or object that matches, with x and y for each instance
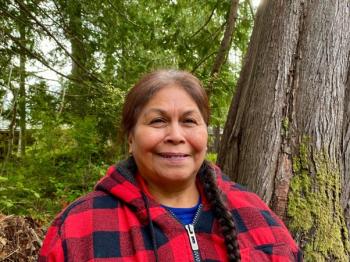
(314, 208)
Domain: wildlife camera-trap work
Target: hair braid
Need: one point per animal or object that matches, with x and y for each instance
(221, 212)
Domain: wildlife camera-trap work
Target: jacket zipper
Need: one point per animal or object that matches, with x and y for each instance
(191, 234)
(193, 242)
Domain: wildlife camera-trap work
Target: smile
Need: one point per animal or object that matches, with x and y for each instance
(173, 155)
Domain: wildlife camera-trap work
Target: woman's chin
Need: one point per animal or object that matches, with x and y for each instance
(175, 177)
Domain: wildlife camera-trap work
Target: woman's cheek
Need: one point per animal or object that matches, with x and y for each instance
(199, 140)
(154, 137)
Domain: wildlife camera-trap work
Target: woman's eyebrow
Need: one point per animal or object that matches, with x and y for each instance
(155, 110)
(164, 112)
(191, 112)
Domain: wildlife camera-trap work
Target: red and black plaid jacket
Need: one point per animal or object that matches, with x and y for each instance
(118, 222)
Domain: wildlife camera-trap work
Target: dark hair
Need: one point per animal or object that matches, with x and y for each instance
(136, 100)
(151, 83)
(217, 201)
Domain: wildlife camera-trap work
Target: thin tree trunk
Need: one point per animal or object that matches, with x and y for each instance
(22, 90)
(225, 43)
(80, 99)
(62, 100)
(76, 39)
(220, 60)
(12, 127)
(287, 133)
(217, 137)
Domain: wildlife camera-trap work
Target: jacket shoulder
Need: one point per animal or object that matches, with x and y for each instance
(237, 195)
(84, 205)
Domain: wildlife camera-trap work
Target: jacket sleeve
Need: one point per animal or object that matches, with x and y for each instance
(263, 235)
(276, 227)
(297, 252)
(52, 248)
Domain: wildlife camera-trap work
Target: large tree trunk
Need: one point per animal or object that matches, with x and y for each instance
(287, 136)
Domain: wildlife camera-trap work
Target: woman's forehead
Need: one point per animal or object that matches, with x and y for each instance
(171, 96)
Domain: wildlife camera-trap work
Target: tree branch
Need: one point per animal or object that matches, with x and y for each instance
(206, 22)
(249, 2)
(38, 57)
(124, 15)
(214, 35)
(202, 61)
(56, 40)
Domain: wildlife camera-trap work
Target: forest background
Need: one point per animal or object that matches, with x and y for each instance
(65, 67)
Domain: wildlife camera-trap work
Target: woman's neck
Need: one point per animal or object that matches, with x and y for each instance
(184, 195)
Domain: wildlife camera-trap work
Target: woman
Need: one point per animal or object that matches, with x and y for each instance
(166, 202)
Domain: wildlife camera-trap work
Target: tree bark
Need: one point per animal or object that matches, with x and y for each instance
(345, 153)
(287, 134)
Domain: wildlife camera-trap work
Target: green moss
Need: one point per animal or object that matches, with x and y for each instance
(285, 126)
(314, 209)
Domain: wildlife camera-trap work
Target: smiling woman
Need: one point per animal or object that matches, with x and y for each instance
(165, 202)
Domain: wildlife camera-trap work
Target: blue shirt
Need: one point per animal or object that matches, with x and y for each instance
(185, 215)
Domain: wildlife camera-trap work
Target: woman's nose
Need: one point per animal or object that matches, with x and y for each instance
(174, 134)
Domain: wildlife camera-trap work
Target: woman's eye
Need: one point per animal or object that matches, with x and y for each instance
(157, 121)
(190, 121)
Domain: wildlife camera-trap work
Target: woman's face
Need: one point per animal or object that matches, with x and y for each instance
(169, 139)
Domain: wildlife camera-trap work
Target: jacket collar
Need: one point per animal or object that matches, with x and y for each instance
(120, 182)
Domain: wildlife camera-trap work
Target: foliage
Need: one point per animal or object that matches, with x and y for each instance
(211, 157)
(62, 164)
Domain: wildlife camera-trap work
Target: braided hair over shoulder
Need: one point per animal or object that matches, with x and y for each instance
(217, 201)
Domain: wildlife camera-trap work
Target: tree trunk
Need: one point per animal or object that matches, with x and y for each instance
(22, 90)
(216, 138)
(76, 39)
(12, 127)
(79, 98)
(287, 136)
(225, 44)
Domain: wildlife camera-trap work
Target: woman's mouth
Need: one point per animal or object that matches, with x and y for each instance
(173, 156)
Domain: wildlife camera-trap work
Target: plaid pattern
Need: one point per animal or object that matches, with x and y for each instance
(111, 224)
